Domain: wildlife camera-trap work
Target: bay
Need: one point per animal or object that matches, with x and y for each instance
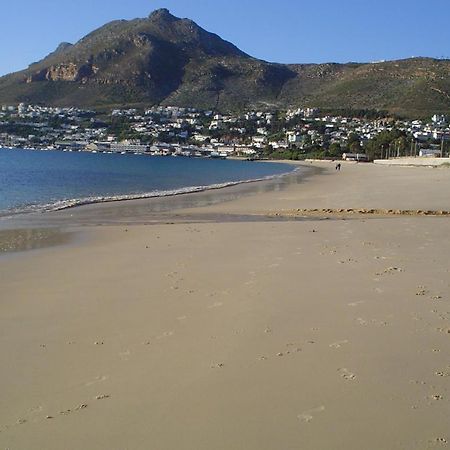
(47, 180)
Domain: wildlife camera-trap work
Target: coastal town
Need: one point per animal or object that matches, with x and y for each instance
(168, 130)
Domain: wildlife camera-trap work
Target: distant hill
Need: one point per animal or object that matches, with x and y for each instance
(166, 60)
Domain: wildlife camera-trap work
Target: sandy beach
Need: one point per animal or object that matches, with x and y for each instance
(219, 325)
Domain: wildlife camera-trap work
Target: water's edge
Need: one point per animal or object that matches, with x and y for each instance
(135, 210)
(75, 202)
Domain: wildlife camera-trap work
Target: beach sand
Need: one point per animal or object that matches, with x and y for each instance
(265, 334)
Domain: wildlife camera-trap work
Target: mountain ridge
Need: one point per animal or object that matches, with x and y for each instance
(163, 59)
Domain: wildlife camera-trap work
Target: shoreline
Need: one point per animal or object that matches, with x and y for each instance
(62, 205)
(170, 201)
(46, 227)
(97, 199)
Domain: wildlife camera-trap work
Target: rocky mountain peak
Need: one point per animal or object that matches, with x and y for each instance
(162, 14)
(63, 46)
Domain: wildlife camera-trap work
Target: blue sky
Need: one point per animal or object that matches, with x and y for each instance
(287, 31)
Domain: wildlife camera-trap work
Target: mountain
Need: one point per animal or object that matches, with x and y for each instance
(165, 60)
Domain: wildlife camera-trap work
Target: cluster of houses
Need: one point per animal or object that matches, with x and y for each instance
(169, 130)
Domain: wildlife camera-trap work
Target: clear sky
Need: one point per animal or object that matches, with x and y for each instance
(287, 31)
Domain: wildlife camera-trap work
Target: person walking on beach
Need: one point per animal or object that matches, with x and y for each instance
(338, 166)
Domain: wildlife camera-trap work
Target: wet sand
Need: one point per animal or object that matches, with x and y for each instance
(23, 239)
(249, 334)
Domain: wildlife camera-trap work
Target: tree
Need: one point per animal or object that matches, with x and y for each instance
(335, 150)
(353, 138)
(355, 147)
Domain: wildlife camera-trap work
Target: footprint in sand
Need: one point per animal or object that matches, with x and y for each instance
(443, 330)
(441, 441)
(66, 412)
(361, 321)
(421, 290)
(295, 348)
(346, 374)
(218, 365)
(442, 373)
(307, 416)
(390, 271)
(338, 344)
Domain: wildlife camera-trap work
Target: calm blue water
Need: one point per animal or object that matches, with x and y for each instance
(33, 180)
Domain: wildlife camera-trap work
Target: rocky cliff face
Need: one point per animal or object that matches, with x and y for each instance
(64, 72)
(164, 59)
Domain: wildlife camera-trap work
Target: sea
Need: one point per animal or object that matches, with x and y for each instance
(34, 180)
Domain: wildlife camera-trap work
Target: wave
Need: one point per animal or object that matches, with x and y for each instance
(61, 205)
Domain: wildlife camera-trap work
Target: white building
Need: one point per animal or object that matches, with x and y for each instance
(129, 147)
(294, 137)
(429, 152)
